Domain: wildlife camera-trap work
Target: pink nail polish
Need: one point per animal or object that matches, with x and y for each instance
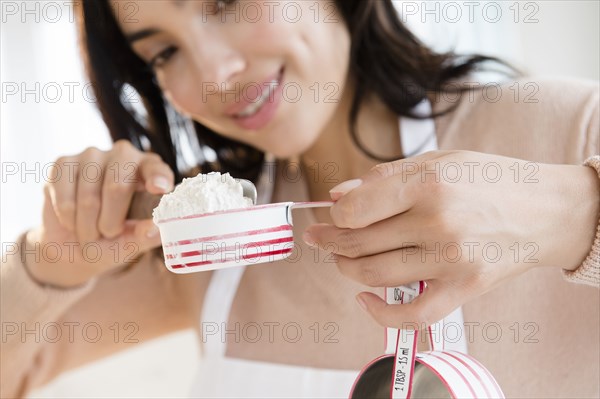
(152, 232)
(308, 238)
(345, 187)
(362, 303)
(162, 183)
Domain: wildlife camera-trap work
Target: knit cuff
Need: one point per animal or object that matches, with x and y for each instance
(589, 271)
(25, 300)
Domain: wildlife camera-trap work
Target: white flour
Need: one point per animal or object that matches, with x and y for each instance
(201, 194)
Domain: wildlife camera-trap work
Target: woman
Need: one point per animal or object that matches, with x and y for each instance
(470, 223)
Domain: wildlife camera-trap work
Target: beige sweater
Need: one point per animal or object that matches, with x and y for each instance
(553, 351)
(589, 271)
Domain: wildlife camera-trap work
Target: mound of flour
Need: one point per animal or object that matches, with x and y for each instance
(202, 194)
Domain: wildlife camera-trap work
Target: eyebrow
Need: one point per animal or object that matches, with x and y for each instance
(144, 33)
(141, 34)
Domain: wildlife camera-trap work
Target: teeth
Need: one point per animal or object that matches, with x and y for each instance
(255, 106)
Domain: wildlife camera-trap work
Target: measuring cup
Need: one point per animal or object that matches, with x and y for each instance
(217, 240)
(403, 373)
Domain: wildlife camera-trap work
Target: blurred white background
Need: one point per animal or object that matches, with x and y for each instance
(40, 47)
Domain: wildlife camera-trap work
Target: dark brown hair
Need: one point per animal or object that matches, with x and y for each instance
(386, 59)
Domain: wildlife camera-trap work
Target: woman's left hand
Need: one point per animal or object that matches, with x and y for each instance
(461, 221)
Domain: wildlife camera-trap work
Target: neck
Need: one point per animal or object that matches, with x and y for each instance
(335, 158)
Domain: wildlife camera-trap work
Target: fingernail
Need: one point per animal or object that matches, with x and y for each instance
(362, 303)
(152, 232)
(344, 187)
(162, 182)
(308, 238)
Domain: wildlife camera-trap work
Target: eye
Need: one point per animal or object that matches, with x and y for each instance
(163, 57)
(221, 4)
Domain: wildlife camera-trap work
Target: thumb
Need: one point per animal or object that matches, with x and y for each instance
(406, 166)
(383, 171)
(430, 306)
(140, 236)
(401, 316)
(338, 191)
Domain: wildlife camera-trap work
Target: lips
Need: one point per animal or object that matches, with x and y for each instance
(257, 112)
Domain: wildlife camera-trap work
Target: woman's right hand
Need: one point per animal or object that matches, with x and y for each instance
(85, 231)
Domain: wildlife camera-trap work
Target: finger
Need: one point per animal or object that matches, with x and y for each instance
(407, 166)
(375, 201)
(338, 191)
(387, 190)
(157, 176)
(384, 170)
(400, 231)
(383, 191)
(432, 305)
(139, 236)
(117, 192)
(62, 189)
(49, 217)
(389, 269)
(89, 195)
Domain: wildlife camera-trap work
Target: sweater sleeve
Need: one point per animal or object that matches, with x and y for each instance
(26, 306)
(46, 330)
(589, 271)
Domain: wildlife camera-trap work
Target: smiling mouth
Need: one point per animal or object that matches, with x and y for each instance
(267, 93)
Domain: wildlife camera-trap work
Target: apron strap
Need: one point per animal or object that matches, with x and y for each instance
(216, 308)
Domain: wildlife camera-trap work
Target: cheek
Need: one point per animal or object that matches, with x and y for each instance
(183, 92)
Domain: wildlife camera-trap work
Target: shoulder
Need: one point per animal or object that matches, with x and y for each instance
(564, 97)
(549, 119)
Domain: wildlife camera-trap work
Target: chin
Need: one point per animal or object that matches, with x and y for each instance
(289, 149)
(292, 142)
(282, 152)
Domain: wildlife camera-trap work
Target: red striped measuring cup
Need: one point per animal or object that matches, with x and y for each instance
(403, 373)
(217, 240)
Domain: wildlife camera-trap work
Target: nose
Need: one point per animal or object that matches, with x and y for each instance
(217, 61)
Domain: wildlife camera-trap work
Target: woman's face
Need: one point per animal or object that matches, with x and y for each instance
(267, 73)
